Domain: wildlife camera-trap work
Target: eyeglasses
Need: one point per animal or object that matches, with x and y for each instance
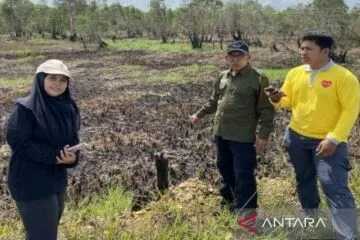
(236, 54)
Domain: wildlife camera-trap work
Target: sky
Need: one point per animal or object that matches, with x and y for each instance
(278, 4)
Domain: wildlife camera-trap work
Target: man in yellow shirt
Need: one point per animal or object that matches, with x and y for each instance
(324, 99)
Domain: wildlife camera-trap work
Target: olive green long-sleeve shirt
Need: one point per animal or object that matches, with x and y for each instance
(240, 104)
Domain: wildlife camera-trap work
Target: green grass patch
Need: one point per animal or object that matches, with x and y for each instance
(15, 82)
(36, 46)
(190, 211)
(198, 72)
(276, 74)
(10, 229)
(97, 218)
(355, 182)
(187, 212)
(108, 206)
(25, 53)
(157, 46)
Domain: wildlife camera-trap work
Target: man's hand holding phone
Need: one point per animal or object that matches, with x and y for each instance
(274, 94)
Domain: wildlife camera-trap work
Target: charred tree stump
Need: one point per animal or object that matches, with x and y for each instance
(162, 170)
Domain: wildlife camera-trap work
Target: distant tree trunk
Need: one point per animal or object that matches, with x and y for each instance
(221, 35)
(340, 57)
(274, 48)
(54, 32)
(101, 43)
(18, 34)
(130, 34)
(164, 38)
(71, 11)
(83, 41)
(196, 41)
(257, 42)
(53, 35)
(208, 39)
(154, 34)
(237, 35)
(18, 30)
(73, 37)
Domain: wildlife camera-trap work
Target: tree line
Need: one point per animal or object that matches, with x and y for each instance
(198, 21)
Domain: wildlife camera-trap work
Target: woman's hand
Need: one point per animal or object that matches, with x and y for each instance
(66, 157)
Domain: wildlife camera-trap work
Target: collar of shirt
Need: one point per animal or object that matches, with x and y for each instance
(322, 69)
(242, 71)
(314, 72)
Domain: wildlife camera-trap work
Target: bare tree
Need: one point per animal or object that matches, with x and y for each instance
(91, 25)
(161, 20)
(17, 14)
(71, 7)
(198, 19)
(355, 25)
(332, 17)
(245, 20)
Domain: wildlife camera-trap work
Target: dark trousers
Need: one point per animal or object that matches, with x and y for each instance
(236, 163)
(41, 217)
(332, 173)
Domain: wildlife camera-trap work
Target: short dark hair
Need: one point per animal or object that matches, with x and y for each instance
(323, 40)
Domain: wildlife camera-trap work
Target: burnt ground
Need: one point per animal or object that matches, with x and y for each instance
(129, 117)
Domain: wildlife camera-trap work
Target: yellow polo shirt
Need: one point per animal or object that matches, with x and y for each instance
(324, 103)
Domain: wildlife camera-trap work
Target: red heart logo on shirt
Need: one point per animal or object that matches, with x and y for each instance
(326, 83)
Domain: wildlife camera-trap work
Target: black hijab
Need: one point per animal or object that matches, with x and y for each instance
(58, 116)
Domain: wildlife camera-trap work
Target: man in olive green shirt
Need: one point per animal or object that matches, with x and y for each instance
(240, 106)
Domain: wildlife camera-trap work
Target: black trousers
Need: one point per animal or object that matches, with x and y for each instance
(41, 217)
(237, 163)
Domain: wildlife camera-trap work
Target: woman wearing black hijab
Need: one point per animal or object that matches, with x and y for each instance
(40, 131)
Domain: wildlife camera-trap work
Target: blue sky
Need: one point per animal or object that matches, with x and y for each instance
(279, 4)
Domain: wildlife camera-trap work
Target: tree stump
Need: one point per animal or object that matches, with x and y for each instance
(162, 170)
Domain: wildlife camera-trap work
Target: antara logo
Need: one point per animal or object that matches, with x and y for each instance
(326, 83)
(292, 222)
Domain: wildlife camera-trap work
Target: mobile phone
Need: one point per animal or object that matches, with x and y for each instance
(76, 147)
